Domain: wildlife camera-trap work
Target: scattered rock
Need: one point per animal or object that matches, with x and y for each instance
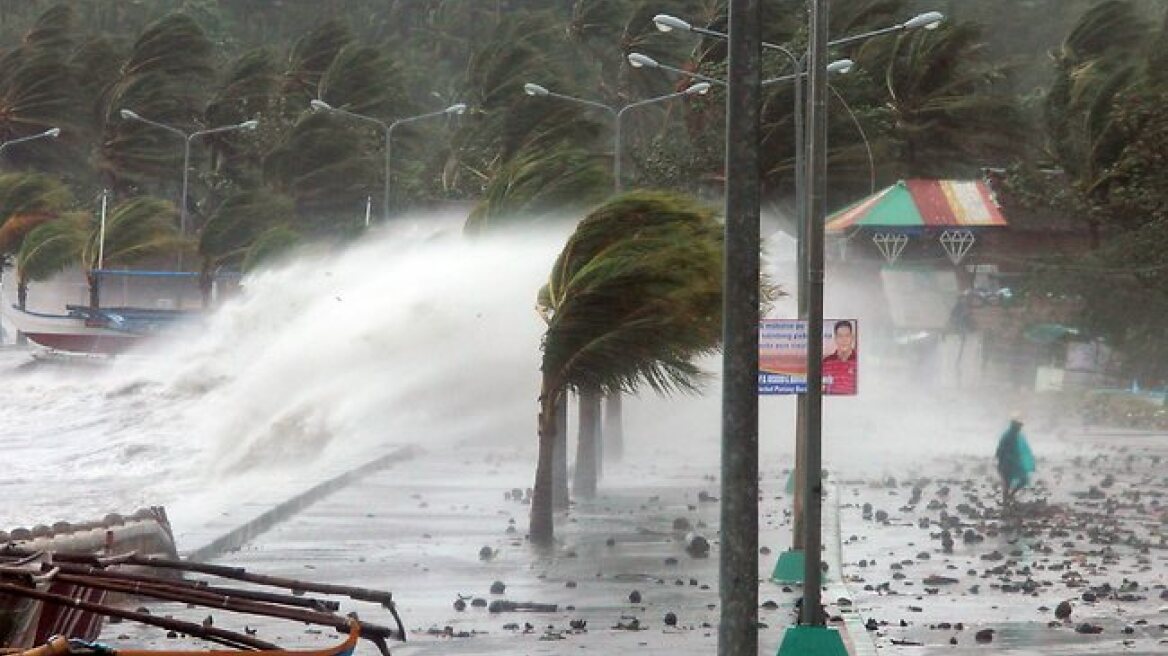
(697, 546)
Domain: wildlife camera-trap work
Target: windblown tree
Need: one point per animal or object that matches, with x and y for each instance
(26, 201)
(946, 118)
(165, 80)
(1107, 130)
(1102, 57)
(328, 168)
(135, 230)
(240, 233)
(633, 299)
(36, 94)
(249, 91)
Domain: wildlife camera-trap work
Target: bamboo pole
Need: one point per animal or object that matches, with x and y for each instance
(212, 634)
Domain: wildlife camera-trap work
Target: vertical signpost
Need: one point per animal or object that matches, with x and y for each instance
(738, 556)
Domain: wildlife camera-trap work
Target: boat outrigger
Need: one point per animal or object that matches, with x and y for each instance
(25, 621)
(58, 585)
(60, 646)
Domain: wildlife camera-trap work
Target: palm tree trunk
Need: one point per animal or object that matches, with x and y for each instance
(587, 456)
(560, 495)
(94, 289)
(206, 284)
(614, 431)
(541, 528)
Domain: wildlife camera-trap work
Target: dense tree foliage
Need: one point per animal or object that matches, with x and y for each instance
(1106, 125)
(927, 103)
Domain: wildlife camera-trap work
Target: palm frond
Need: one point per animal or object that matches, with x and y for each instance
(634, 296)
(52, 247)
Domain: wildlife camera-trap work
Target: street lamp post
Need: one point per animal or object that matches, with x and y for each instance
(187, 138)
(456, 109)
(700, 88)
(928, 20)
(51, 133)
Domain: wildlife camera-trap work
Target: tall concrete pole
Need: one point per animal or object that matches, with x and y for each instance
(738, 564)
(800, 292)
(813, 229)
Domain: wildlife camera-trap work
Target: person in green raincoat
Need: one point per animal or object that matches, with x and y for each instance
(1015, 461)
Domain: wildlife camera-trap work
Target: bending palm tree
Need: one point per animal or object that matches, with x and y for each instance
(633, 298)
(137, 229)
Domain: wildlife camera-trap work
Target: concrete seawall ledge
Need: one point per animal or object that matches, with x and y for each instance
(252, 529)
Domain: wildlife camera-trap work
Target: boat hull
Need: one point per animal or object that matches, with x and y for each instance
(26, 623)
(93, 331)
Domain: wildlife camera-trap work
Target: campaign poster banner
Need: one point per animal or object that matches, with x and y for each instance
(782, 357)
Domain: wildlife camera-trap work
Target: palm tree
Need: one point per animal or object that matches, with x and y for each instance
(135, 230)
(944, 114)
(1102, 58)
(26, 201)
(328, 168)
(633, 298)
(310, 59)
(537, 184)
(164, 79)
(242, 221)
(36, 90)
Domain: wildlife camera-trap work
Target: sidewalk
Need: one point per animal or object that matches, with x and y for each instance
(417, 529)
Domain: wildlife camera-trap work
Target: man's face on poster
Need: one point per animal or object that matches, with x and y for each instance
(844, 340)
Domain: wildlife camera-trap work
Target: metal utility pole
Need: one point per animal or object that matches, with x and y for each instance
(813, 229)
(738, 559)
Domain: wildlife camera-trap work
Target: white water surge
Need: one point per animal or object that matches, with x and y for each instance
(415, 335)
(411, 336)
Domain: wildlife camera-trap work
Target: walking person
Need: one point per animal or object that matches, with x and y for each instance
(1015, 461)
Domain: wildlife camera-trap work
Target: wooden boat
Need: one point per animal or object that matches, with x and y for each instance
(25, 622)
(105, 331)
(36, 586)
(60, 646)
(146, 303)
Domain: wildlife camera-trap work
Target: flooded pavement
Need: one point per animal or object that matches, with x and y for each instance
(446, 536)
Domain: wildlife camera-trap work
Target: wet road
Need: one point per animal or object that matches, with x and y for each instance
(1094, 530)
(1091, 533)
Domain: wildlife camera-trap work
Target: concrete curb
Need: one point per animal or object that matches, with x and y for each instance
(241, 535)
(857, 636)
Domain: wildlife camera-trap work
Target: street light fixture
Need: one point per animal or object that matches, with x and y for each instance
(187, 138)
(51, 133)
(638, 60)
(697, 89)
(318, 105)
(929, 20)
(841, 66)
